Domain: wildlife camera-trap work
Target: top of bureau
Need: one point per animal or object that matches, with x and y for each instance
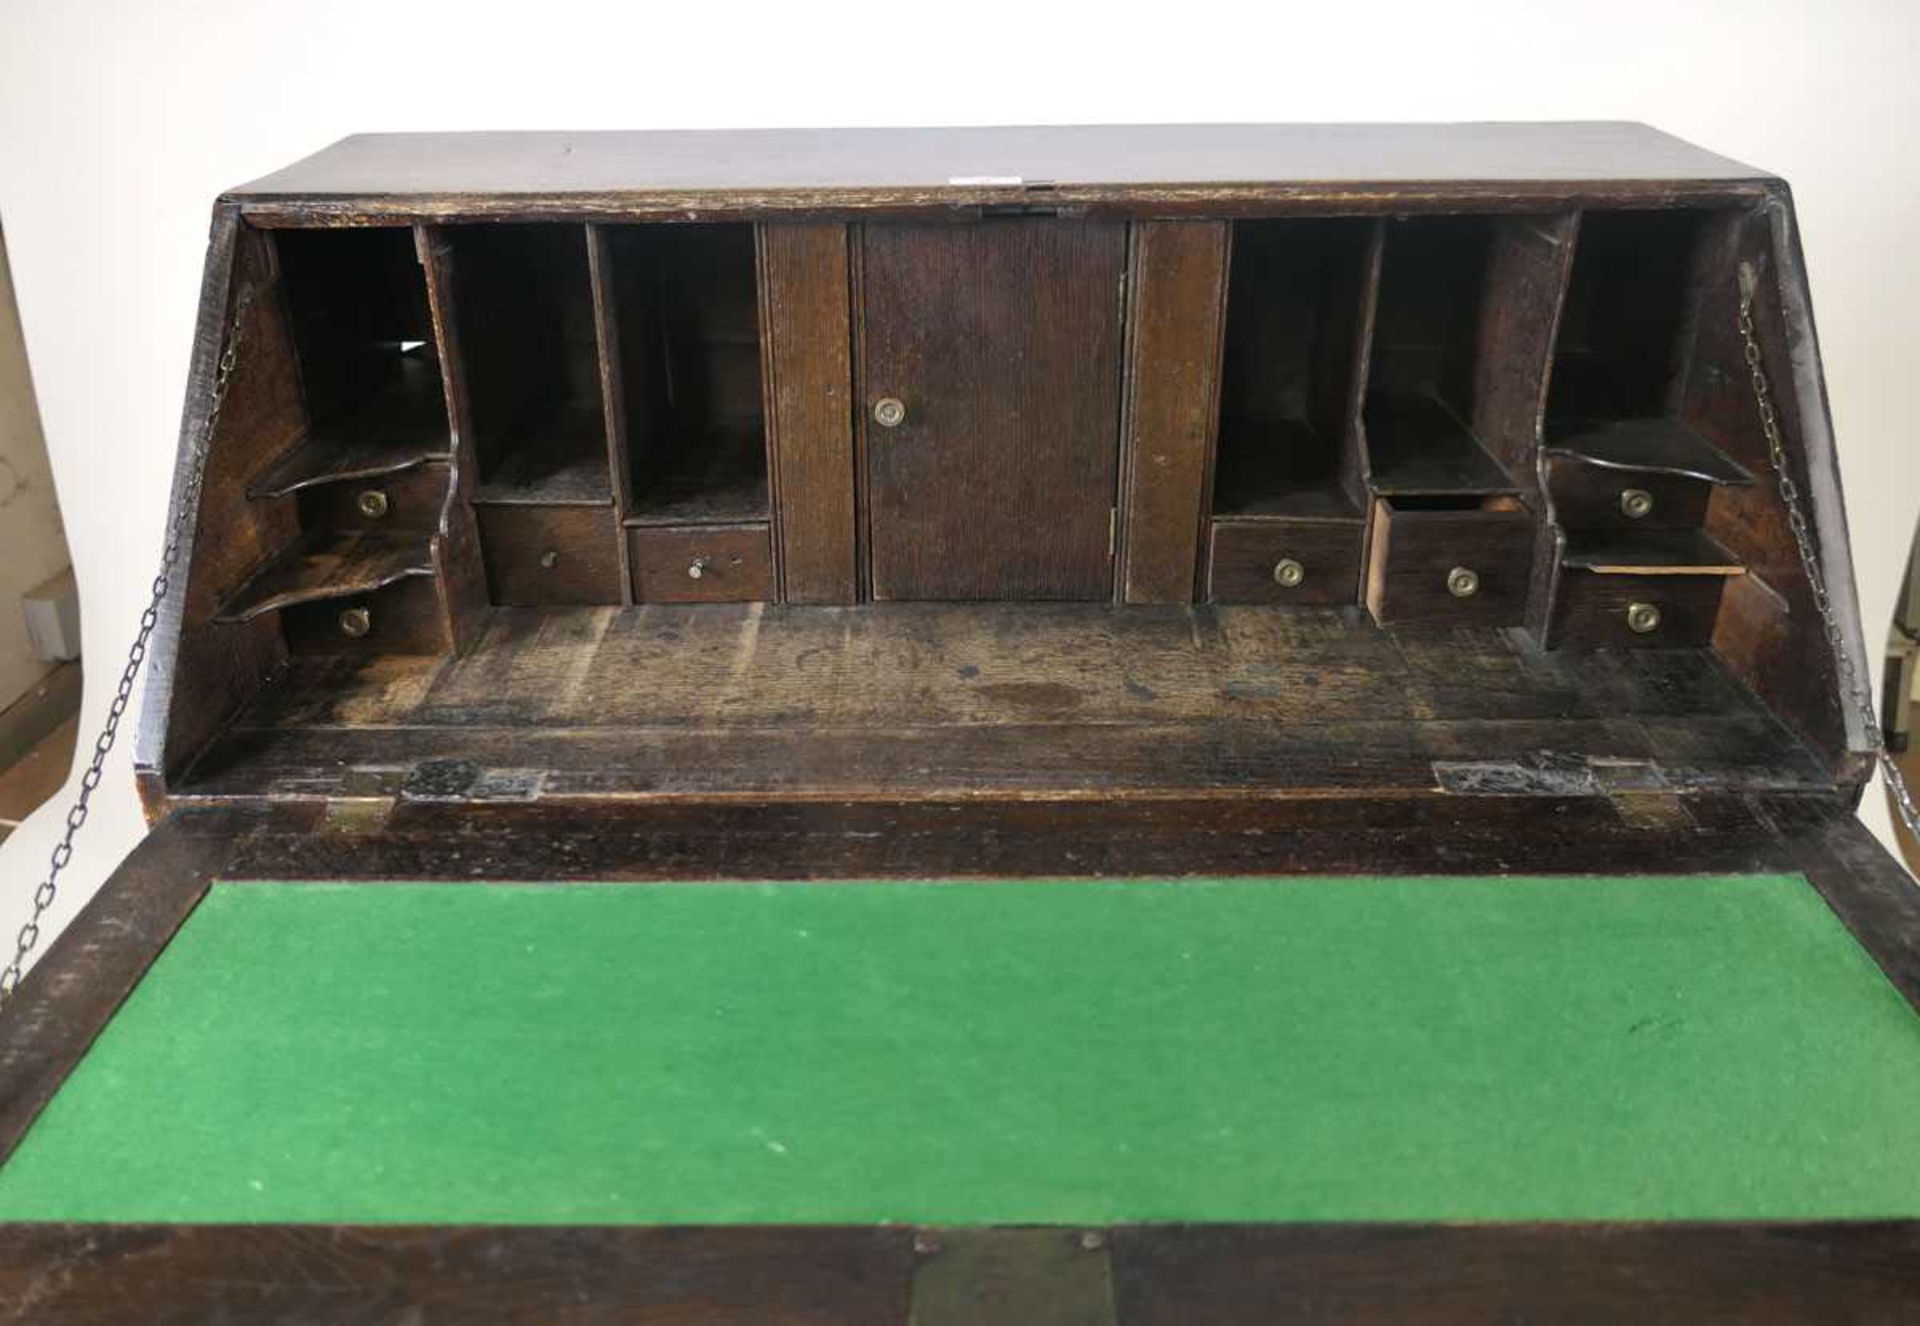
(368, 176)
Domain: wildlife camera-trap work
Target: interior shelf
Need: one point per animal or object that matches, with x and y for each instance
(1650, 552)
(1417, 444)
(1653, 446)
(715, 475)
(560, 460)
(1274, 468)
(339, 566)
(401, 428)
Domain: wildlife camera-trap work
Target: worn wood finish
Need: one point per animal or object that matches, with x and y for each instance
(1414, 551)
(207, 673)
(1245, 557)
(1002, 340)
(701, 564)
(459, 578)
(551, 554)
(913, 701)
(1591, 612)
(1757, 632)
(191, 1274)
(1176, 313)
(1190, 169)
(92, 966)
(1587, 496)
(340, 566)
(805, 294)
(1561, 1273)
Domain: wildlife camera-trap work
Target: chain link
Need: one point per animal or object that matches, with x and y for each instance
(49, 886)
(1854, 688)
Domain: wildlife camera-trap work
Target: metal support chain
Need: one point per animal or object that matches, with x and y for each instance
(1854, 689)
(49, 886)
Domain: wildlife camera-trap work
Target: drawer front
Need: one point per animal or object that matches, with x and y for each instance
(1415, 555)
(410, 499)
(1306, 562)
(538, 555)
(701, 563)
(1595, 611)
(1587, 496)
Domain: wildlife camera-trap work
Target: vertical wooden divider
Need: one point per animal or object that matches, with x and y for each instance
(1529, 267)
(1356, 465)
(606, 326)
(1176, 319)
(459, 576)
(807, 336)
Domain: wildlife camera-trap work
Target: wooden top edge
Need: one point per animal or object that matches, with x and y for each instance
(427, 169)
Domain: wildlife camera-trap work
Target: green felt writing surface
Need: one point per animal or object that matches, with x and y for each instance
(1004, 1052)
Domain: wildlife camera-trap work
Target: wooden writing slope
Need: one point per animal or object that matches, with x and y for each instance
(1169, 502)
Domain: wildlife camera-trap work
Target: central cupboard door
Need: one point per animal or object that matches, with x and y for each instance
(990, 372)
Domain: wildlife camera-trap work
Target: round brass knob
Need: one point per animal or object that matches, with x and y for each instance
(1635, 503)
(549, 559)
(1288, 573)
(696, 568)
(372, 504)
(889, 412)
(1643, 618)
(355, 622)
(1463, 582)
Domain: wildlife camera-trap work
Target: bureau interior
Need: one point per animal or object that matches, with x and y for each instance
(1433, 491)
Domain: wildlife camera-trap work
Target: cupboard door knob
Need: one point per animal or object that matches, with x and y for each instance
(1643, 618)
(355, 622)
(1288, 573)
(1463, 582)
(1635, 503)
(889, 412)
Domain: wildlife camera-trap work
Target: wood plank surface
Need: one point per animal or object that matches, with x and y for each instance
(1176, 312)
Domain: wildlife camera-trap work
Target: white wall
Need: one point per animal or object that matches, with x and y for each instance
(32, 544)
(119, 122)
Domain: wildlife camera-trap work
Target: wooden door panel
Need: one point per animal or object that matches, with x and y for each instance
(1002, 338)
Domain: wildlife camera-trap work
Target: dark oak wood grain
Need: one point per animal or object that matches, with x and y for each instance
(701, 564)
(1176, 312)
(551, 554)
(806, 289)
(1002, 340)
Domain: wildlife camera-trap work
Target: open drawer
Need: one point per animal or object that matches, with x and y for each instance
(1449, 561)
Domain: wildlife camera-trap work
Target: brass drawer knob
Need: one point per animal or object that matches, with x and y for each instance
(355, 622)
(697, 568)
(1643, 618)
(889, 412)
(372, 504)
(1635, 503)
(1463, 582)
(549, 559)
(1288, 573)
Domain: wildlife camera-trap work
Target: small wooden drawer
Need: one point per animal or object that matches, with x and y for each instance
(1301, 561)
(1600, 611)
(539, 555)
(701, 563)
(1453, 562)
(1600, 497)
(404, 617)
(410, 499)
